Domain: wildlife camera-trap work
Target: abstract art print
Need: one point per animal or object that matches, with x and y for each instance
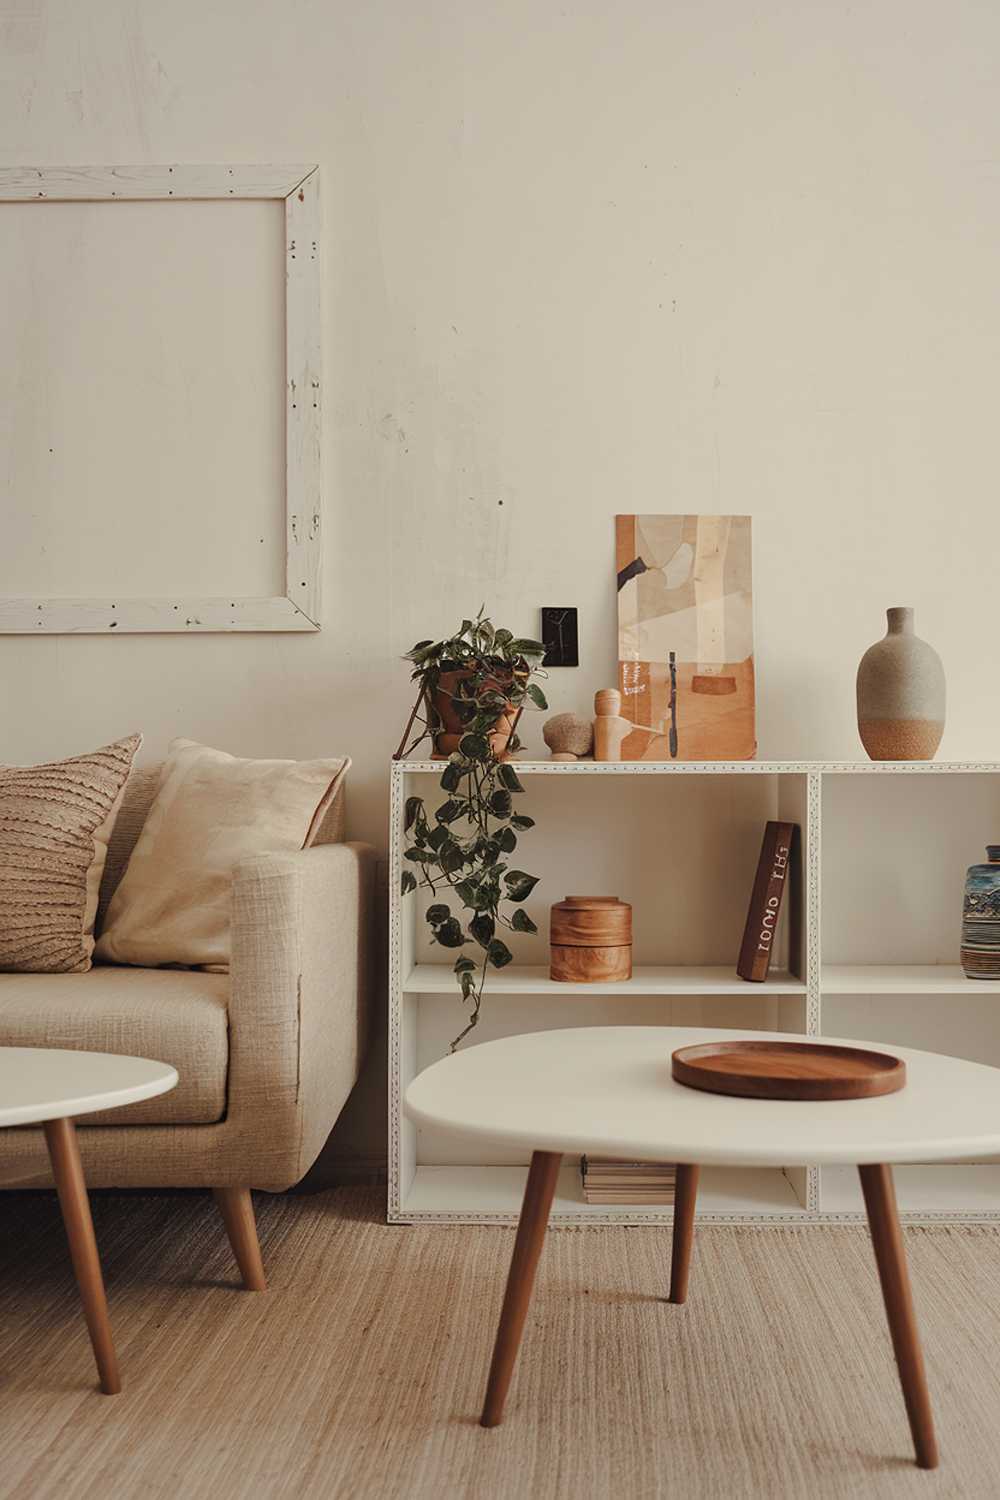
(685, 637)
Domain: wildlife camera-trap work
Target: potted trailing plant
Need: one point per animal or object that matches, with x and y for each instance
(473, 687)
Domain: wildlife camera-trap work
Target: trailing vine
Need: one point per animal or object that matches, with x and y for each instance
(465, 846)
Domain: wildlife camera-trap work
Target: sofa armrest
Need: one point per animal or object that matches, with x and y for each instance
(301, 938)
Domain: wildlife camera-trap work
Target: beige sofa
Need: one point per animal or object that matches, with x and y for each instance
(266, 1054)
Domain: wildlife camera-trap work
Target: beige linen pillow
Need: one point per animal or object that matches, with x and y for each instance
(55, 821)
(211, 811)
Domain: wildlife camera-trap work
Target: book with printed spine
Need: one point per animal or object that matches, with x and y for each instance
(774, 869)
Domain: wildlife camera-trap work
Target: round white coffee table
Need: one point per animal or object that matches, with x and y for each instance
(609, 1090)
(49, 1086)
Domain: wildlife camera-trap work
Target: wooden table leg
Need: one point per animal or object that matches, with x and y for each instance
(64, 1154)
(538, 1194)
(890, 1257)
(685, 1197)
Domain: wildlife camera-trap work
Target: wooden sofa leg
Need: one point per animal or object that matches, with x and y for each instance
(236, 1208)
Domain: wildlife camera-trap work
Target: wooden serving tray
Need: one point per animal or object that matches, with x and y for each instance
(788, 1070)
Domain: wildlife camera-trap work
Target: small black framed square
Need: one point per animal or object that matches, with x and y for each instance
(560, 637)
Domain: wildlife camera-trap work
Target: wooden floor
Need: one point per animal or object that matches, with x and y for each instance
(361, 1371)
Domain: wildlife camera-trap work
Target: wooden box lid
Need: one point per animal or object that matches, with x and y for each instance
(591, 922)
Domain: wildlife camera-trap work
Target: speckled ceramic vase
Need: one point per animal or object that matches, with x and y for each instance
(901, 694)
(981, 918)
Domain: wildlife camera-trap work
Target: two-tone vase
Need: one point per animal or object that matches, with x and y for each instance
(901, 694)
(981, 918)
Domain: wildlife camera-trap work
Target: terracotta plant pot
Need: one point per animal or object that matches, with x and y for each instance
(446, 739)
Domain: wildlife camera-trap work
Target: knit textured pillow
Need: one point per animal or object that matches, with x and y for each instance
(55, 821)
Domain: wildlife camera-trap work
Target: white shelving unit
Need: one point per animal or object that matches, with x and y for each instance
(867, 947)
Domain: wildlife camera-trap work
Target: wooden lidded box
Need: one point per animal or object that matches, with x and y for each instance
(590, 940)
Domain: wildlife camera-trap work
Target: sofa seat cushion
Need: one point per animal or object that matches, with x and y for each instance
(176, 1016)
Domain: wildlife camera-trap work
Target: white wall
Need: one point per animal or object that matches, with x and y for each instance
(580, 258)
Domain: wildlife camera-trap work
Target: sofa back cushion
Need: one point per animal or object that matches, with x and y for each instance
(139, 794)
(211, 813)
(138, 799)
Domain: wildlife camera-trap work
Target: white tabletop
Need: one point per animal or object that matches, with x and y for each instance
(608, 1090)
(49, 1083)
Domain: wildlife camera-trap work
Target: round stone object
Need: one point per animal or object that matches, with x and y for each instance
(568, 734)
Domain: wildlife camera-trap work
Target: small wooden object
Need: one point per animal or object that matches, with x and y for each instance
(590, 939)
(610, 728)
(773, 871)
(788, 1070)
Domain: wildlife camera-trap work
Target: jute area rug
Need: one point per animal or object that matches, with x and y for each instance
(360, 1372)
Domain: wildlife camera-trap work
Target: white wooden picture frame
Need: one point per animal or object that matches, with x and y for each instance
(299, 607)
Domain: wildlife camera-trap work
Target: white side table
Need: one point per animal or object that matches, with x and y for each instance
(609, 1090)
(49, 1086)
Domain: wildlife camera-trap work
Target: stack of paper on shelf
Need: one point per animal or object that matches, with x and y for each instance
(611, 1179)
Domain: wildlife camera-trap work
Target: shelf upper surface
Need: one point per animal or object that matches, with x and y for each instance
(718, 979)
(723, 767)
(902, 979)
(533, 979)
(942, 1188)
(478, 1189)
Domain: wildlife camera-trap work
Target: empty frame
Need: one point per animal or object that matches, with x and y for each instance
(96, 611)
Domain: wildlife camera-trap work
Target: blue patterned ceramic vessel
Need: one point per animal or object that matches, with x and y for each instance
(981, 918)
